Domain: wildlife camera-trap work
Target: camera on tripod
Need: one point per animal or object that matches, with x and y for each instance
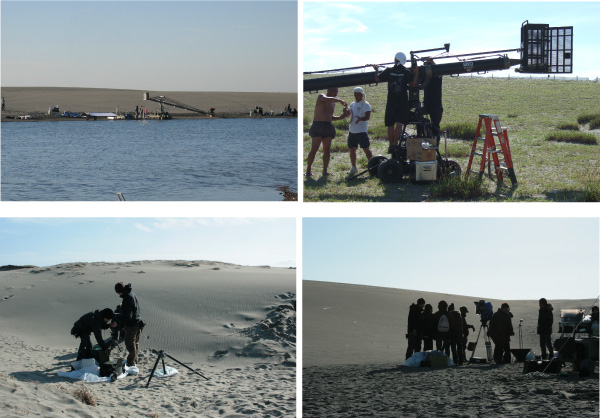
(479, 305)
(484, 310)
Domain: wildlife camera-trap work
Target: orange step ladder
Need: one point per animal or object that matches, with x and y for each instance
(489, 152)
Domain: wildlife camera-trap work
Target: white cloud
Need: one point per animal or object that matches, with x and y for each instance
(142, 227)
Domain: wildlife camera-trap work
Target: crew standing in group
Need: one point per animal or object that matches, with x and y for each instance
(463, 313)
(415, 327)
(131, 316)
(456, 336)
(442, 328)
(428, 328)
(500, 330)
(397, 110)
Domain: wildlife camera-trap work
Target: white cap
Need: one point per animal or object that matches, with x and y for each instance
(359, 90)
(401, 58)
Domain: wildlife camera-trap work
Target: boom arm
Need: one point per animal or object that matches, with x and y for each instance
(163, 100)
(425, 73)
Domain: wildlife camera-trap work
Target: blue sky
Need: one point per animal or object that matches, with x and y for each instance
(500, 258)
(151, 45)
(345, 34)
(245, 241)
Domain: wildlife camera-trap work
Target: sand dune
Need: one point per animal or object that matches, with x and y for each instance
(354, 344)
(235, 324)
(27, 100)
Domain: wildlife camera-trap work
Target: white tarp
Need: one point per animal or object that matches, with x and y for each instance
(170, 371)
(416, 359)
(87, 370)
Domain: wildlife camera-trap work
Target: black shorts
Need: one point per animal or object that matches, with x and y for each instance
(360, 138)
(396, 112)
(322, 129)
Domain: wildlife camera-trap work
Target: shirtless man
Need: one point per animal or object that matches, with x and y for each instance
(322, 130)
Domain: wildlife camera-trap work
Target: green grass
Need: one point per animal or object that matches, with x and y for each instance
(595, 123)
(458, 188)
(573, 137)
(529, 109)
(461, 130)
(587, 117)
(568, 127)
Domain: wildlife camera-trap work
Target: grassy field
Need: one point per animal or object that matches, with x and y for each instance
(531, 110)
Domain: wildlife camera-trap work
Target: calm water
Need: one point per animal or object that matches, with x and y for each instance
(200, 159)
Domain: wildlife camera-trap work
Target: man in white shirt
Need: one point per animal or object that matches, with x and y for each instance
(360, 113)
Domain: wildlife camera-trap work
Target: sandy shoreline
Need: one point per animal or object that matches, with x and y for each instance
(37, 100)
(235, 324)
(354, 346)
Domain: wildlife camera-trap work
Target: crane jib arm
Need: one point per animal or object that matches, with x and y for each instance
(425, 73)
(163, 100)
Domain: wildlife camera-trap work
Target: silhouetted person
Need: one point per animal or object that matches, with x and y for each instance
(415, 327)
(544, 328)
(428, 328)
(500, 330)
(442, 328)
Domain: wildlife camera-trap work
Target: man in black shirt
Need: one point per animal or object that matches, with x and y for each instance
(131, 317)
(397, 110)
(433, 102)
(94, 322)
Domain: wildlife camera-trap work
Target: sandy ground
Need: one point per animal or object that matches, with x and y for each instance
(236, 325)
(31, 100)
(354, 346)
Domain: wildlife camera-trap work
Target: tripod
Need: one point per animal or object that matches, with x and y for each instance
(161, 356)
(521, 334)
(486, 338)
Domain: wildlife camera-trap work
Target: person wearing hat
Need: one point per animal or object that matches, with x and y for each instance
(397, 109)
(322, 130)
(95, 322)
(131, 317)
(360, 113)
(414, 331)
(463, 313)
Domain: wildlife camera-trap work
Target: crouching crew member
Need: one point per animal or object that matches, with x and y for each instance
(94, 322)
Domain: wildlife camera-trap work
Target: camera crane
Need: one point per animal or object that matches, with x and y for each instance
(163, 100)
(544, 50)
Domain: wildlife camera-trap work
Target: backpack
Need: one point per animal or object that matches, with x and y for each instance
(443, 324)
(111, 367)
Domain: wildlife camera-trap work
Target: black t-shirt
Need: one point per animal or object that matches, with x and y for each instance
(433, 93)
(398, 78)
